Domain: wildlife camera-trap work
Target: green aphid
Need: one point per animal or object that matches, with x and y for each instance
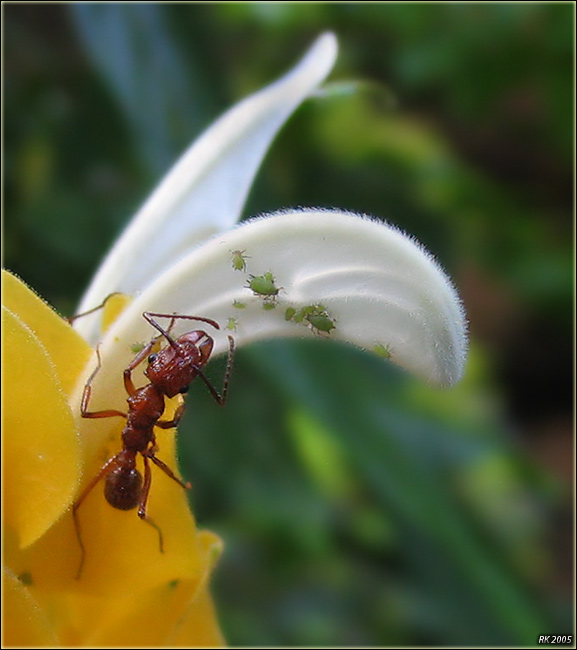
(232, 323)
(267, 305)
(321, 323)
(263, 285)
(239, 260)
(238, 305)
(315, 315)
(313, 309)
(382, 350)
(135, 348)
(301, 314)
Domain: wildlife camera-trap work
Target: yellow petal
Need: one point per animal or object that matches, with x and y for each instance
(41, 459)
(123, 558)
(121, 616)
(180, 608)
(113, 307)
(149, 619)
(200, 628)
(24, 624)
(68, 350)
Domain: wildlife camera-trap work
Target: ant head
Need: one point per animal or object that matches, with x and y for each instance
(173, 368)
(198, 340)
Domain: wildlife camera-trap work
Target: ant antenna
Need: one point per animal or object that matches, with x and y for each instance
(149, 314)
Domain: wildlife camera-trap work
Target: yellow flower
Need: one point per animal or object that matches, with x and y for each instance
(128, 592)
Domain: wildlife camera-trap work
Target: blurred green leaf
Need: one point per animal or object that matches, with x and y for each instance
(138, 57)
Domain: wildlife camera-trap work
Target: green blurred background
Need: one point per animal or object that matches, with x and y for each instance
(358, 506)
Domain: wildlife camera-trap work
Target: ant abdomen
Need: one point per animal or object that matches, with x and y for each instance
(123, 487)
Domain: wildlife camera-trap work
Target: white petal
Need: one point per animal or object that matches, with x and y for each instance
(380, 288)
(204, 192)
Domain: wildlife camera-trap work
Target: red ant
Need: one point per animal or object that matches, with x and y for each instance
(170, 371)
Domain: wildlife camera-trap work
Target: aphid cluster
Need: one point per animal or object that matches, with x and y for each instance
(314, 316)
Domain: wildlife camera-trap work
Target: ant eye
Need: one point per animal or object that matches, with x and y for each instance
(151, 358)
(184, 390)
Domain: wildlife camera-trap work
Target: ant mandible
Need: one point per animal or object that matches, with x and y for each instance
(170, 372)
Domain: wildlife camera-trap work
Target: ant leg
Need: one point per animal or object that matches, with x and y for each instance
(171, 424)
(71, 319)
(138, 359)
(221, 399)
(84, 412)
(166, 469)
(104, 470)
(144, 498)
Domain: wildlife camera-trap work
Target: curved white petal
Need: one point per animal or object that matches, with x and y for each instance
(205, 190)
(380, 290)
